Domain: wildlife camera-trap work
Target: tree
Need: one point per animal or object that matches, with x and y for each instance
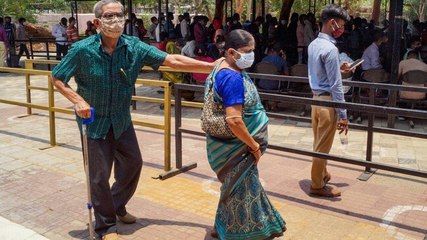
(285, 12)
(418, 8)
(239, 6)
(219, 9)
(376, 8)
(28, 8)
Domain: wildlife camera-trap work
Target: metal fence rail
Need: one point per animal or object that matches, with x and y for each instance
(165, 126)
(370, 109)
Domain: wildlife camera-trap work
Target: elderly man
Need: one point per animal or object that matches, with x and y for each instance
(105, 67)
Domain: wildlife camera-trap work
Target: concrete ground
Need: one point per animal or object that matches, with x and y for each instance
(43, 192)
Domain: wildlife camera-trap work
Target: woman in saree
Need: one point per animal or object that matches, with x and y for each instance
(244, 210)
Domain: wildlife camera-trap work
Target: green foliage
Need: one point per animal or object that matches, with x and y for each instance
(28, 8)
(411, 10)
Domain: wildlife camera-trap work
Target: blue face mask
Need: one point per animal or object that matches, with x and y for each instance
(246, 60)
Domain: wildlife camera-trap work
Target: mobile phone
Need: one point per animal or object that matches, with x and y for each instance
(356, 63)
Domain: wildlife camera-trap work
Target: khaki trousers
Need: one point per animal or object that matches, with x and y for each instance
(3, 54)
(324, 123)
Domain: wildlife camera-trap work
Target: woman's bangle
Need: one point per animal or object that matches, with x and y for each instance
(235, 116)
(254, 151)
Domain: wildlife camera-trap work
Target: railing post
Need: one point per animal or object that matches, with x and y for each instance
(47, 52)
(371, 118)
(368, 171)
(133, 101)
(167, 124)
(28, 65)
(31, 49)
(178, 143)
(178, 123)
(51, 112)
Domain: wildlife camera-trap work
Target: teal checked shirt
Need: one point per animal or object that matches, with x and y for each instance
(106, 81)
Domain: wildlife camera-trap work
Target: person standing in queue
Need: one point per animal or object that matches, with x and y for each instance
(324, 74)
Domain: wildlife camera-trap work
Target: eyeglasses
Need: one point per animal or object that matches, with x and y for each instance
(111, 15)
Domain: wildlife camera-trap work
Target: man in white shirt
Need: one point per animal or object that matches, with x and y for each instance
(152, 28)
(185, 28)
(188, 49)
(59, 31)
(371, 55)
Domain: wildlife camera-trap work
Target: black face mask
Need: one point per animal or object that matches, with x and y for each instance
(64, 23)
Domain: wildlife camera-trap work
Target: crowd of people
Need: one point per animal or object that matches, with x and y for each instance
(66, 33)
(280, 42)
(12, 36)
(293, 37)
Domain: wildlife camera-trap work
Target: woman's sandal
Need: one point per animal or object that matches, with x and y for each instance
(214, 233)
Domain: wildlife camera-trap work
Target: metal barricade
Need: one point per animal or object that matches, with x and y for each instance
(165, 126)
(368, 108)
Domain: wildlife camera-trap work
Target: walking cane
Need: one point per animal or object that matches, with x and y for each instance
(85, 122)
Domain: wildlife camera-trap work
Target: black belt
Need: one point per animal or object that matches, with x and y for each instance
(323, 94)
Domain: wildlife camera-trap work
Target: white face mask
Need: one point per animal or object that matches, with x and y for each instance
(246, 60)
(112, 28)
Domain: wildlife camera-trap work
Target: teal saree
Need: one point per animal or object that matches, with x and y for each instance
(244, 210)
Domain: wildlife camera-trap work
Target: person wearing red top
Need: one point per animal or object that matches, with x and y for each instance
(200, 53)
(141, 29)
(72, 34)
(90, 30)
(164, 38)
(4, 44)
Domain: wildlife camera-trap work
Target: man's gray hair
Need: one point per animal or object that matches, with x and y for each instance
(97, 9)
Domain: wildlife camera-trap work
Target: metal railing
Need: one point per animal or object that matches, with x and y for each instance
(370, 109)
(285, 97)
(165, 126)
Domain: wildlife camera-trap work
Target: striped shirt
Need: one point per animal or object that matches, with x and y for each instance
(72, 34)
(106, 82)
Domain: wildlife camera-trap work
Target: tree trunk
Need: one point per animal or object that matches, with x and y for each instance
(258, 8)
(208, 12)
(198, 6)
(239, 6)
(421, 10)
(285, 12)
(219, 8)
(376, 10)
(177, 6)
(249, 10)
(347, 3)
